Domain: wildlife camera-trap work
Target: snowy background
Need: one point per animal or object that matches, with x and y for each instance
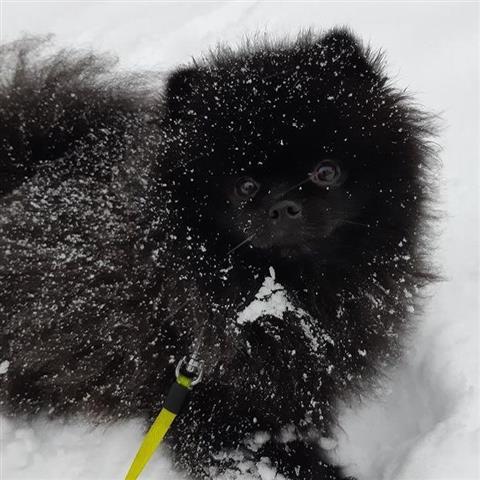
(425, 426)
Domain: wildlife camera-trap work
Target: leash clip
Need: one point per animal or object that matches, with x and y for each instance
(194, 368)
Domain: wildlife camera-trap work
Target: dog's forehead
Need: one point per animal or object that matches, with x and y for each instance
(261, 89)
(269, 113)
(253, 109)
(268, 161)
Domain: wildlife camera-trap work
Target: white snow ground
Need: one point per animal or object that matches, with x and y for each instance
(426, 426)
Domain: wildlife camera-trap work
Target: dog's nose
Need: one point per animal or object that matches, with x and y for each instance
(286, 209)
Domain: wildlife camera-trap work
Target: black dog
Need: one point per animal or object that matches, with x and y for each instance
(148, 226)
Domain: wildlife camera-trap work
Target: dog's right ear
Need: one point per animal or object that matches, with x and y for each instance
(182, 92)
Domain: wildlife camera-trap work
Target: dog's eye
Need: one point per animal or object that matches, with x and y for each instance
(246, 187)
(327, 173)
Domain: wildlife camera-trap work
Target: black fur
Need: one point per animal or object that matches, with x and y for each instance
(66, 106)
(115, 263)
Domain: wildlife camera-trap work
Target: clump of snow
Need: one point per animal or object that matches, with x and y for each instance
(245, 468)
(259, 439)
(271, 299)
(287, 434)
(4, 367)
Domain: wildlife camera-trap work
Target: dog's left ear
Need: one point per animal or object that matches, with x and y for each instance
(345, 53)
(341, 41)
(183, 92)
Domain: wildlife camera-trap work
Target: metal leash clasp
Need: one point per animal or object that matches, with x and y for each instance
(194, 368)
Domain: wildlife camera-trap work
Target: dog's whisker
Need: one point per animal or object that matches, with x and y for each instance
(356, 223)
(293, 187)
(243, 242)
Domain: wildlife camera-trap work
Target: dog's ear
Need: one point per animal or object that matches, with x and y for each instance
(182, 92)
(345, 53)
(341, 41)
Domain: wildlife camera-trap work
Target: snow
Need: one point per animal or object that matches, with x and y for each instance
(4, 367)
(271, 299)
(75, 450)
(424, 424)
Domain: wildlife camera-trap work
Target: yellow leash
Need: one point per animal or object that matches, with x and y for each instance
(175, 399)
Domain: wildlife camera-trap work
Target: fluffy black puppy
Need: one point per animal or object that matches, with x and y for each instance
(296, 161)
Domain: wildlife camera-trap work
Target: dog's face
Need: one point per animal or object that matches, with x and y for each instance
(285, 150)
(288, 207)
